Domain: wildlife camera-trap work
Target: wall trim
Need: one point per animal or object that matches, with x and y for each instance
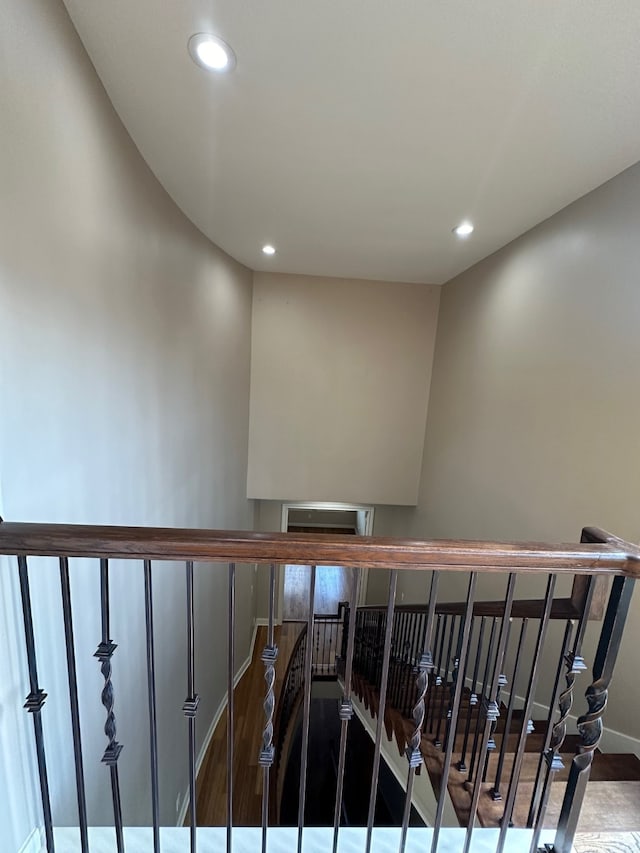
(611, 741)
(263, 622)
(34, 843)
(182, 814)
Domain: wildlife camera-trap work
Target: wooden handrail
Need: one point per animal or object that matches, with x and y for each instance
(608, 555)
(527, 608)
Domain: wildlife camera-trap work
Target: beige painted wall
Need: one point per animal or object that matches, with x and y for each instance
(340, 373)
(534, 410)
(124, 398)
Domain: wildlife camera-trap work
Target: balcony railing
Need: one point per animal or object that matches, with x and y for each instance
(409, 659)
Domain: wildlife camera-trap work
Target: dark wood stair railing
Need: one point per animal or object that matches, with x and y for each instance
(473, 668)
(433, 645)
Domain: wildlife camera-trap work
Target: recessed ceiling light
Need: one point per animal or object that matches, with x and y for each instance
(268, 249)
(463, 230)
(211, 53)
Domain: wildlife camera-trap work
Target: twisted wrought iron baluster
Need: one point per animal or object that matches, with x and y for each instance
(425, 668)
(268, 658)
(104, 653)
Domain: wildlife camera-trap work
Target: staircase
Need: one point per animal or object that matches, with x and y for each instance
(500, 755)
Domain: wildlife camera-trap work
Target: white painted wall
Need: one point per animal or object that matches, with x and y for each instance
(534, 410)
(340, 373)
(124, 398)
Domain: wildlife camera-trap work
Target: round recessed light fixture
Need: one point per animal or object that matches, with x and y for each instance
(268, 249)
(463, 230)
(211, 53)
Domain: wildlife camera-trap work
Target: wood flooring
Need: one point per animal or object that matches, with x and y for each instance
(211, 798)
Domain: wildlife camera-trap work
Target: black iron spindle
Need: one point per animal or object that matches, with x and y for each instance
(490, 707)
(394, 660)
(464, 650)
(345, 709)
(554, 733)
(307, 709)
(495, 791)
(190, 707)
(151, 694)
(404, 667)
(65, 588)
(550, 753)
(412, 662)
(531, 689)
(384, 677)
(231, 621)
(35, 700)
(482, 699)
(104, 654)
(443, 692)
(269, 657)
(574, 663)
(473, 698)
(425, 668)
(455, 675)
(432, 696)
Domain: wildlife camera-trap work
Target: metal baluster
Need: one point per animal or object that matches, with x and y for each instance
(349, 614)
(466, 633)
(151, 693)
(482, 701)
(35, 700)
(190, 707)
(406, 670)
(502, 683)
(411, 664)
(447, 663)
(307, 709)
(492, 710)
(378, 662)
(575, 664)
(531, 689)
(590, 724)
(231, 621)
(414, 664)
(554, 733)
(345, 709)
(549, 754)
(495, 791)
(393, 582)
(473, 699)
(269, 657)
(394, 663)
(104, 654)
(455, 675)
(324, 646)
(65, 588)
(398, 638)
(441, 628)
(425, 668)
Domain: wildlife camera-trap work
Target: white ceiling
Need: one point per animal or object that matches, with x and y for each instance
(354, 134)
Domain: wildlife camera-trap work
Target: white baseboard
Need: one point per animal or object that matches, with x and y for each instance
(34, 843)
(611, 741)
(182, 814)
(262, 622)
